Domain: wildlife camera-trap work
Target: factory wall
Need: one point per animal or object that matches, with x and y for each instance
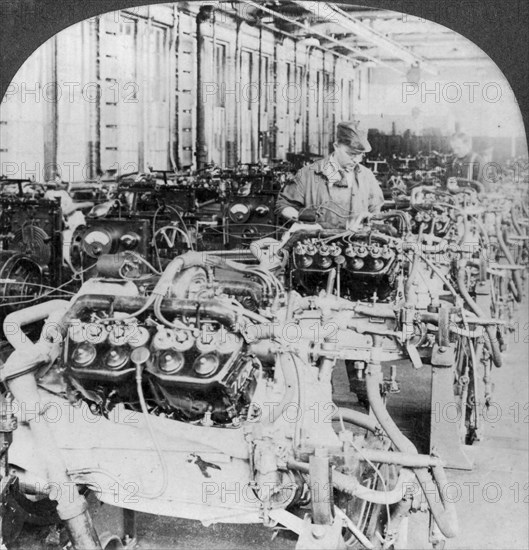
(118, 93)
(447, 102)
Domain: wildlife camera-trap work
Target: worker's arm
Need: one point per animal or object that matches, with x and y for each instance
(291, 199)
(376, 196)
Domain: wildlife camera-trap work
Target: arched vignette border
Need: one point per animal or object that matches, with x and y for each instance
(500, 29)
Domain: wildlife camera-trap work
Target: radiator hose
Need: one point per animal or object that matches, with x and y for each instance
(20, 379)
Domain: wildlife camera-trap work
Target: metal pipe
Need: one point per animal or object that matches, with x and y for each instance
(71, 506)
(326, 37)
(14, 322)
(215, 309)
(350, 485)
(401, 459)
(204, 17)
(518, 295)
(259, 96)
(492, 341)
(443, 512)
(331, 279)
(286, 363)
(171, 87)
(358, 418)
(413, 272)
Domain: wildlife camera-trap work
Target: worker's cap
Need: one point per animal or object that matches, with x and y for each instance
(350, 134)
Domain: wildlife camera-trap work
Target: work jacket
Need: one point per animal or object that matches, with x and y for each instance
(468, 167)
(314, 188)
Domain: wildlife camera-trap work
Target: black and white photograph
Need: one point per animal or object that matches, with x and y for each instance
(264, 275)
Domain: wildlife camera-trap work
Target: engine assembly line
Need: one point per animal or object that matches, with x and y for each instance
(172, 338)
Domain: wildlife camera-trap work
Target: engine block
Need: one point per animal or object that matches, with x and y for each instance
(364, 265)
(198, 367)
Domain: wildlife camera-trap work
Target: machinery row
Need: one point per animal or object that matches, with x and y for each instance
(181, 301)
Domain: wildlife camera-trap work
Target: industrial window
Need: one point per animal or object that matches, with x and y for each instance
(249, 106)
(127, 26)
(220, 73)
(299, 85)
(247, 83)
(317, 95)
(156, 108)
(264, 91)
(120, 102)
(328, 94)
(342, 99)
(158, 61)
(286, 93)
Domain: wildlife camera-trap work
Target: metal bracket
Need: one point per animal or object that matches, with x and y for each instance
(414, 356)
(443, 356)
(115, 527)
(483, 288)
(320, 537)
(321, 487)
(445, 420)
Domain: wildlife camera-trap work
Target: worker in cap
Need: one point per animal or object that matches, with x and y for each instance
(337, 187)
(465, 163)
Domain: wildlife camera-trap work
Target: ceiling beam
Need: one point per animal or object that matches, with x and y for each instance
(373, 14)
(357, 52)
(447, 60)
(293, 36)
(336, 15)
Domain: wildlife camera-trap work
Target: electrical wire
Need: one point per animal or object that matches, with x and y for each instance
(145, 262)
(5, 296)
(185, 235)
(434, 268)
(143, 404)
(46, 294)
(325, 207)
(154, 240)
(157, 307)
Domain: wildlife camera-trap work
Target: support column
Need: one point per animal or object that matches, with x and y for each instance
(204, 19)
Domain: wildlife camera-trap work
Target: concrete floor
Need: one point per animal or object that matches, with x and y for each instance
(491, 500)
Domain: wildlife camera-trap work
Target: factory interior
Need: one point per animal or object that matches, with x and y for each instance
(263, 281)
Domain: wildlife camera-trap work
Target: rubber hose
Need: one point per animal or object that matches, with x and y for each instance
(515, 274)
(492, 342)
(351, 486)
(360, 419)
(443, 512)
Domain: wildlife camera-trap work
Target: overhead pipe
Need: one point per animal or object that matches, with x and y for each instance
(174, 45)
(326, 37)
(353, 25)
(203, 19)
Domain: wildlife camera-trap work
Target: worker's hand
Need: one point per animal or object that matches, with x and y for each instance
(290, 213)
(451, 184)
(354, 223)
